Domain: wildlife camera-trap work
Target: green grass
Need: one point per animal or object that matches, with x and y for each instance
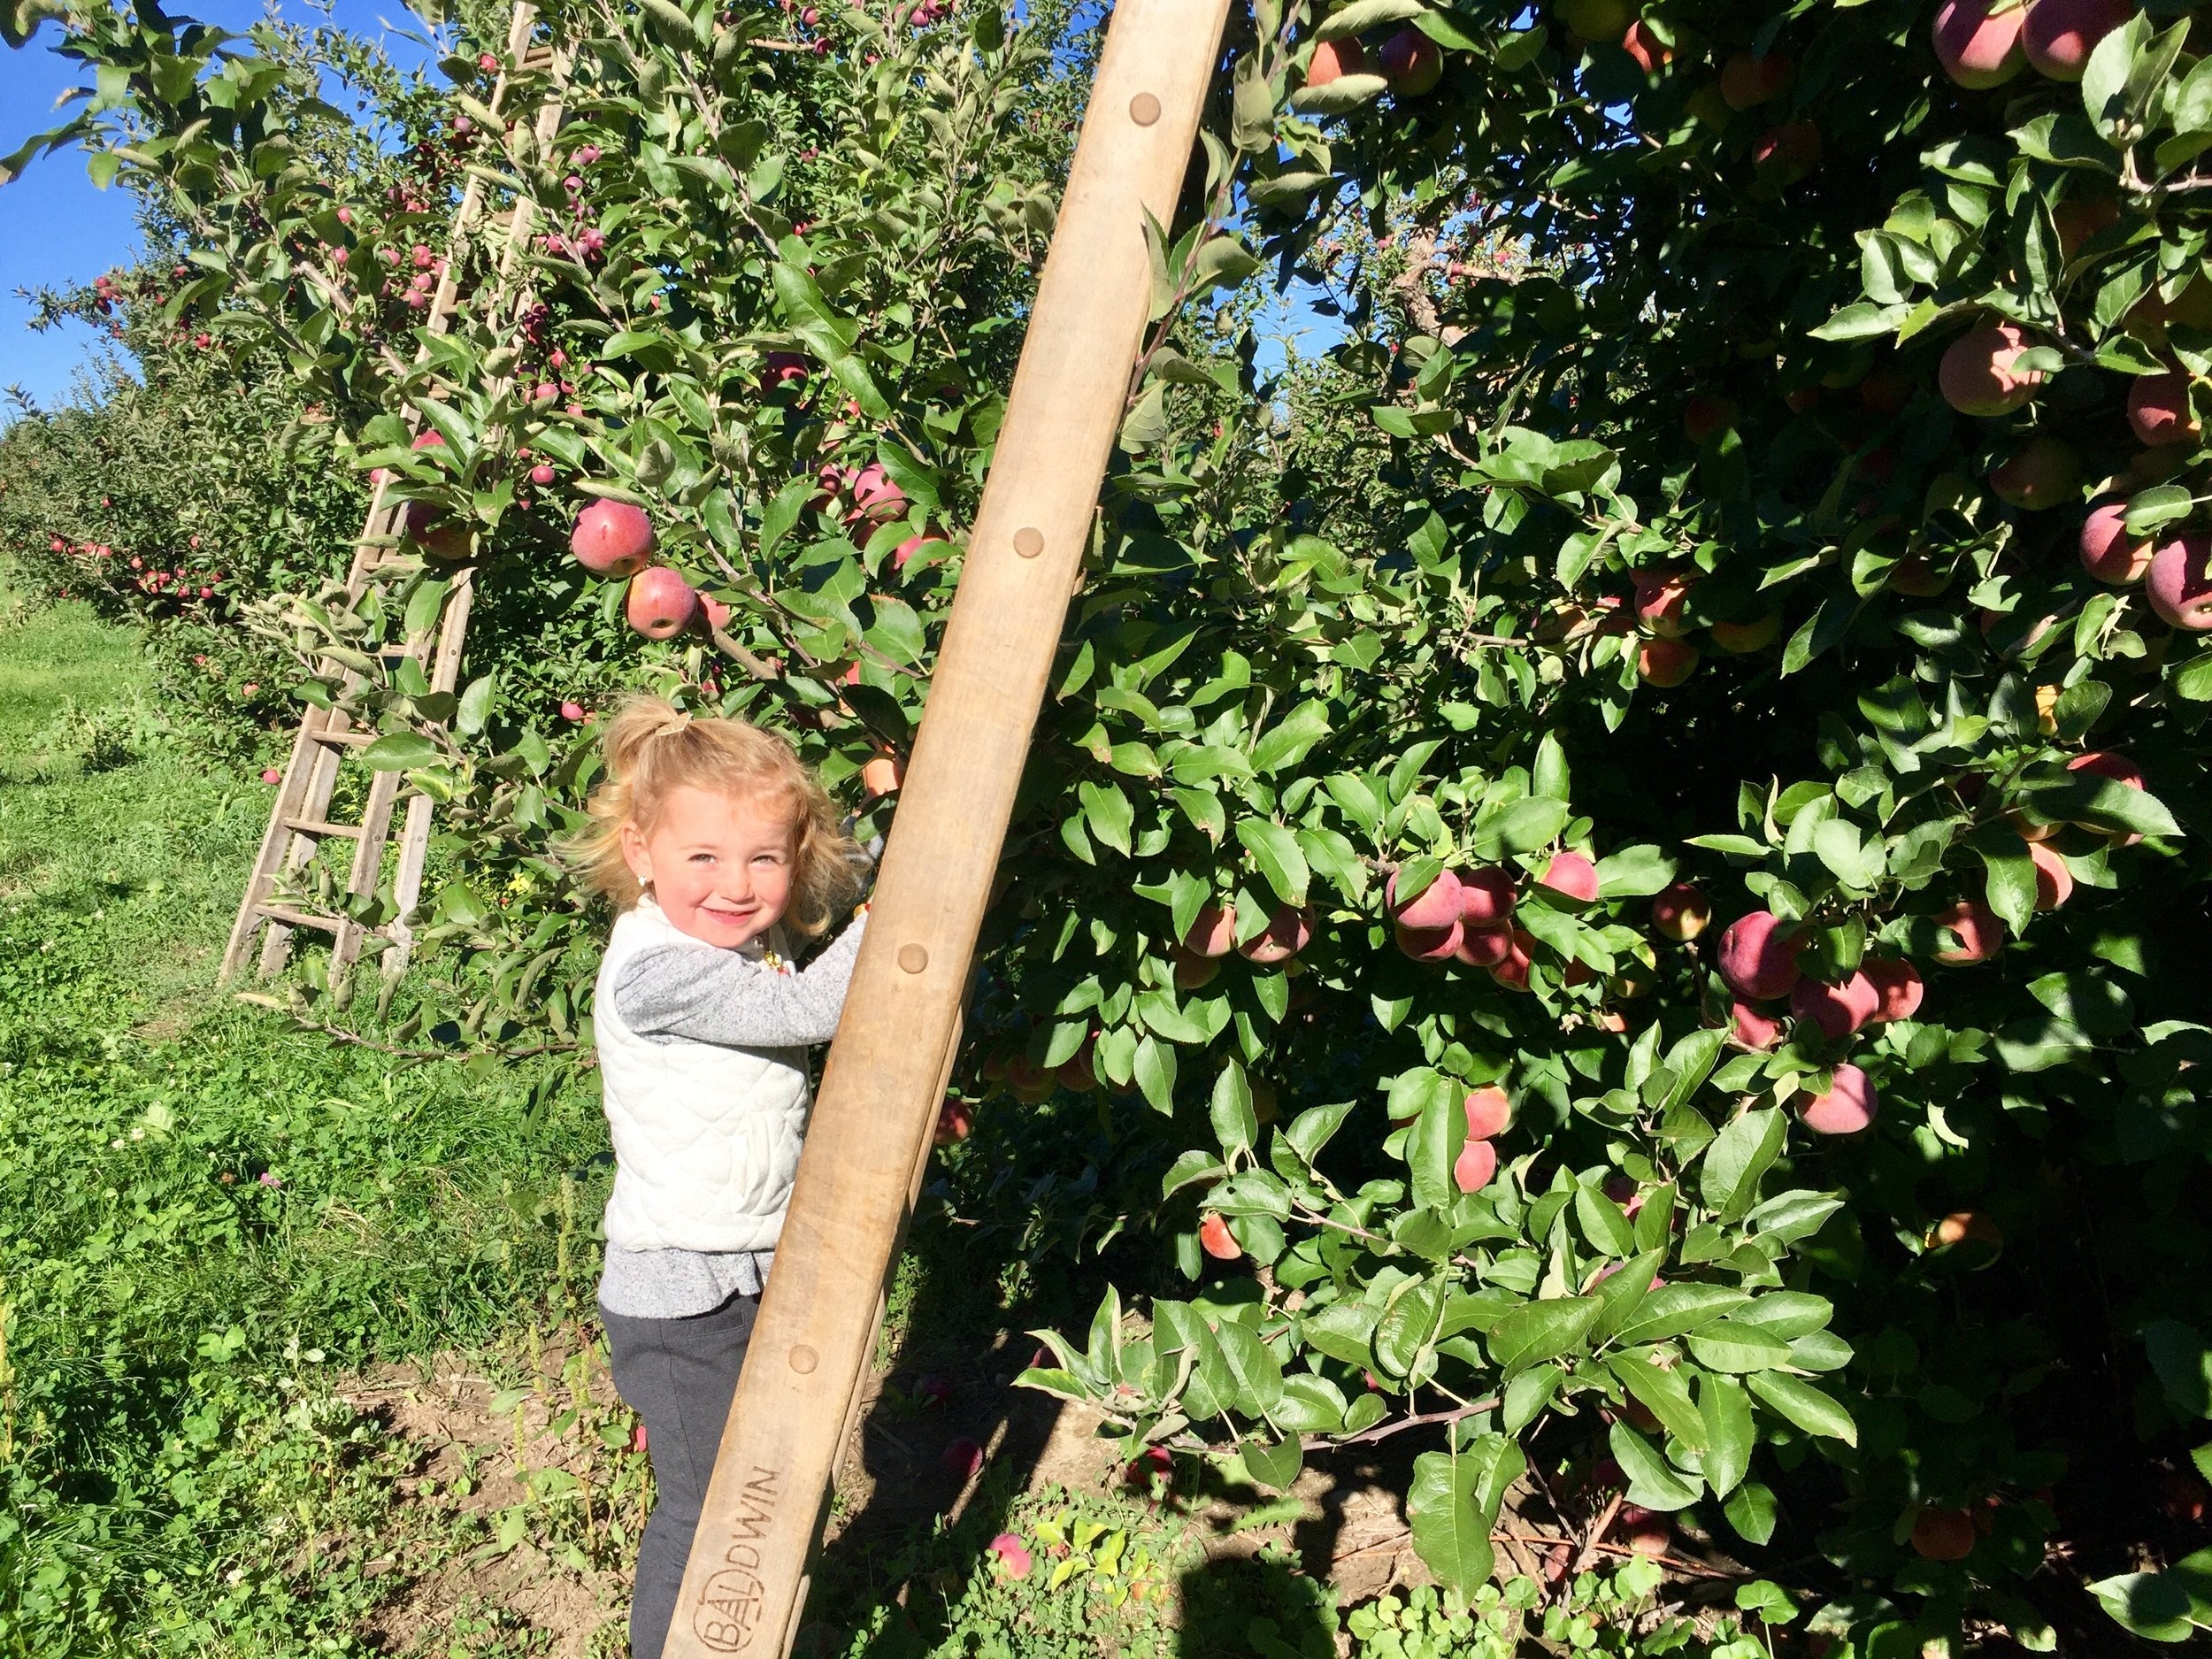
(205, 1212)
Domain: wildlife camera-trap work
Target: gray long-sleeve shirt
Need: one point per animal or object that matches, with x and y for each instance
(708, 994)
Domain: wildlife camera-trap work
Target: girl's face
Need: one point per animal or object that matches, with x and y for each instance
(719, 864)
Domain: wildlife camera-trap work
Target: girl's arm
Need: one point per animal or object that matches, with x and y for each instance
(725, 998)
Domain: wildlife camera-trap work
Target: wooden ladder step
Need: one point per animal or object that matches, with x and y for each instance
(355, 739)
(320, 826)
(291, 917)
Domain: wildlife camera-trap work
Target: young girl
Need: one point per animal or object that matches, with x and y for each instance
(713, 840)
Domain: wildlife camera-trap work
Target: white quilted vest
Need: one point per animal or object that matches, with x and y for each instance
(706, 1138)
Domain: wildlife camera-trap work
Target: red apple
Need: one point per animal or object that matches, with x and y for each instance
(1665, 664)
(1485, 896)
(961, 1458)
(2054, 881)
(1216, 1238)
(1571, 874)
(1477, 1163)
(1897, 983)
(884, 771)
(1680, 911)
(1512, 969)
(912, 545)
(1436, 907)
(1485, 946)
(1651, 53)
(1191, 970)
(1838, 1009)
(1978, 48)
(1213, 932)
(2059, 34)
(1979, 936)
(2159, 410)
(2180, 583)
(612, 538)
(1976, 376)
(1740, 639)
(1659, 597)
(2042, 474)
(1752, 1027)
(1943, 1534)
(1489, 1112)
(1410, 62)
(1845, 1108)
(660, 603)
(1289, 929)
(1428, 944)
(1332, 60)
(955, 1120)
(1785, 154)
(1705, 417)
(2108, 552)
(1746, 80)
(1758, 956)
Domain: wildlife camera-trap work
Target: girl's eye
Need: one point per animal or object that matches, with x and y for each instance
(702, 858)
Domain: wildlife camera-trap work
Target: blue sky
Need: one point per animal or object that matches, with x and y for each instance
(56, 228)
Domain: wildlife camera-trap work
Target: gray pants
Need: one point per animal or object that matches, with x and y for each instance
(679, 1376)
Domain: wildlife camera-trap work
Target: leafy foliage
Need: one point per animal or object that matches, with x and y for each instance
(1636, 553)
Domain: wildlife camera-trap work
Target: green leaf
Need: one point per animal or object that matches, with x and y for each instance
(1651, 1481)
(1231, 1107)
(1526, 1397)
(1292, 738)
(1633, 872)
(1257, 1373)
(1740, 1153)
(1275, 853)
(1804, 1405)
(1155, 1073)
(400, 751)
(1274, 1466)
(1108, 815)
(1342, 1330)
(1675, 1309)
(1730, 1344)
(1406, 1325)
(2152, 1605)
(1538, 1331)
(1311, 1129)
(1520, 826)
(1665, 1393)
(2010, 886)
(1361, 15)
(1751, 1511)
(1730, 1434)
(1453, 1502)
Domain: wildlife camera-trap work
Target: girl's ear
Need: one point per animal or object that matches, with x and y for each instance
(636, 855)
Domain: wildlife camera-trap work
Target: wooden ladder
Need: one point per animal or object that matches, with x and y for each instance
(300, 821)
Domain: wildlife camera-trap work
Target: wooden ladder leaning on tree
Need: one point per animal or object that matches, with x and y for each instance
(869, 1141)
(299, 822)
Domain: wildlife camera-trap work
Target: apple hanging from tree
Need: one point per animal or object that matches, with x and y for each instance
(1977, 42)
(1847, 1106)
(661, 603)
(612, 538)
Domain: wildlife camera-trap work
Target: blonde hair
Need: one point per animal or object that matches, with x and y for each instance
(651, 750)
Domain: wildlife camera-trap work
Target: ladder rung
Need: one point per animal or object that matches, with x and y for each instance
(357, 739)
(319, 826)
(299, 918)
